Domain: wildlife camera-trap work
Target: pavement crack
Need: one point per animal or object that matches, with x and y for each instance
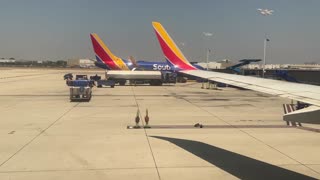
(42, 132)
(145, 132)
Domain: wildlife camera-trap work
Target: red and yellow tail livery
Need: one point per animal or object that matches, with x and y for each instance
(104, 55)
(169, 48)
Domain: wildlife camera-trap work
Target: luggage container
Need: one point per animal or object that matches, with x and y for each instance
(80, 83)
(80, 90)
(80, 93)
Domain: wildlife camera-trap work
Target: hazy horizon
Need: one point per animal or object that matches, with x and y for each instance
(54, 30)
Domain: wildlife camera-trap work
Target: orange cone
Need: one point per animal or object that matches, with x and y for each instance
(137, 119)
(146, 119)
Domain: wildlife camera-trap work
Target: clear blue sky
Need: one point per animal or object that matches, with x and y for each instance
(59, 29)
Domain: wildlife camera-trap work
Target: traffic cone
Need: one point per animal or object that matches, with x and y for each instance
(137, 119)
(146, 119)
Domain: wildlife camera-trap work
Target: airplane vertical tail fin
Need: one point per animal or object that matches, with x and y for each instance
(103, 54)
(169, 48)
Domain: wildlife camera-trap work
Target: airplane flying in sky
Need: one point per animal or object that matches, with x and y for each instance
(301, 92)
(107, 60)
(265, 12)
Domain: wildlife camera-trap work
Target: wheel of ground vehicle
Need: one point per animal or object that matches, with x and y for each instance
(155, 83)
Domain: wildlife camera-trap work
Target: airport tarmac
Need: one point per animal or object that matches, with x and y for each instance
(45, 136)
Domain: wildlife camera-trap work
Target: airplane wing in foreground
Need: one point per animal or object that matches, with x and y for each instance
(300, 92)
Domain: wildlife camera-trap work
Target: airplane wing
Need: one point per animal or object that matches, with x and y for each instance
(300, 92)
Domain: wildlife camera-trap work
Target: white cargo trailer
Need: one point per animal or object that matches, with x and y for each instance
(152, 77)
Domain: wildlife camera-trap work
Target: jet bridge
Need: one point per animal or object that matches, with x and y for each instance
(241, 63)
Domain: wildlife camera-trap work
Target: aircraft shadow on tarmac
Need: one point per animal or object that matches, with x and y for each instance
(242, 167)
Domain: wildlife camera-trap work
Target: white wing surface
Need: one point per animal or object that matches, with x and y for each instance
(300, 92)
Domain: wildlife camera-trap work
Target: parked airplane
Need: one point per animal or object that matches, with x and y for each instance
(107, 60)
(301, 92)
(122, 70)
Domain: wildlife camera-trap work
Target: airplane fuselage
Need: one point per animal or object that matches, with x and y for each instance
(147, 65)
(155, 66)
(143, 65)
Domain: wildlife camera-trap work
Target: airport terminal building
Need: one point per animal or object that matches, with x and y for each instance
(83, 63)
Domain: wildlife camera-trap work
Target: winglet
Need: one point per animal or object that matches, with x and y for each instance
(169, 48)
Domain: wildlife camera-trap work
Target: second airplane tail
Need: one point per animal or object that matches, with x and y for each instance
(169, 48)
(104, 55)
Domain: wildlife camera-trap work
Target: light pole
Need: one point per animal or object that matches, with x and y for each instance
(264, 55)
(207, 34)
(265, 12)
(208, 53)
